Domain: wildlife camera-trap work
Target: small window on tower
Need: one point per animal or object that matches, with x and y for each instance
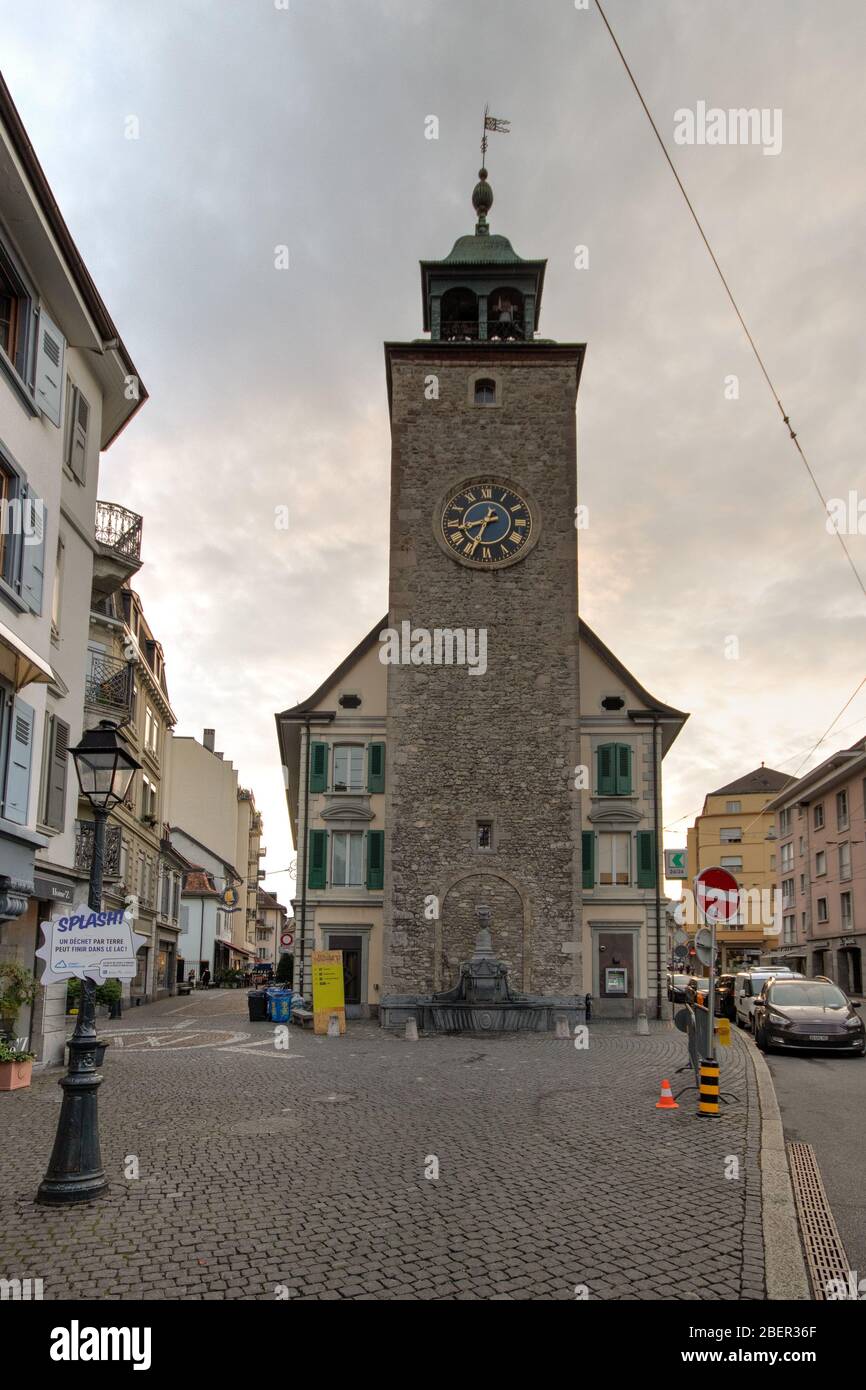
(484, 834)
(485, 391)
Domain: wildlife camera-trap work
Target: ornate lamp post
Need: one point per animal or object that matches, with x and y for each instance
(105, 769)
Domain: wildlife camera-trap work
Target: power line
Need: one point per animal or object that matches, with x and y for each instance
(729, 293)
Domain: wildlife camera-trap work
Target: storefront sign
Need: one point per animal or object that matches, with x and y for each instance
(86, 944)
(328, 991)
(52, 891)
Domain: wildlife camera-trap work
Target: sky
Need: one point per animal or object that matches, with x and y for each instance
(707, 565)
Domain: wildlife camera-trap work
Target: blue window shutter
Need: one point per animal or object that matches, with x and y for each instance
(318, 767)
(48, 386)
(376, 767)
(588, 847)
(16, 790)
(623, 769)
(317, 875)
(375, 859)
(607, 769)
(33, 551)
(646, 859)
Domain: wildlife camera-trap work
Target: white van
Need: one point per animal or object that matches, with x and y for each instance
(748, 985)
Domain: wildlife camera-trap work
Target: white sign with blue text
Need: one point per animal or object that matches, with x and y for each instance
(98, 945)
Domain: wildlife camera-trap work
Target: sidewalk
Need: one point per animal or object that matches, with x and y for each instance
(301, 1174)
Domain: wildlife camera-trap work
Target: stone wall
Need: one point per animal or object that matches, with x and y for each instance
(500, 746)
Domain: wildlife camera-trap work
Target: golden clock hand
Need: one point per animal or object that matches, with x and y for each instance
(483, 523)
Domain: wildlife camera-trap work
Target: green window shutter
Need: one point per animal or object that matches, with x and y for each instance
(646, 859)
(376, 768)
(317, 875)
(375, 859)
(318, 767)
(588, 859)
(623, 769)
(607, 770)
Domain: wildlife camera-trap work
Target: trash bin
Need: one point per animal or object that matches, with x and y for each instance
(257, 1003)
(280, 1009)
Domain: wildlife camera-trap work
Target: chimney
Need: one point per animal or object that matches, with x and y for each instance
(209, 739)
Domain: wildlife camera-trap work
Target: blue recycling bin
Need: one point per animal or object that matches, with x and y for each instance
(280, 1005)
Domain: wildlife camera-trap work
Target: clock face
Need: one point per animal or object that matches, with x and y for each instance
(487, 524)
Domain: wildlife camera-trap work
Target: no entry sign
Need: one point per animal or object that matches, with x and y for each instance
(286, 939)
(717, 894)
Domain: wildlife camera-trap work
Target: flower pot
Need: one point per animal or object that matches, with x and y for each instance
(15, 1075)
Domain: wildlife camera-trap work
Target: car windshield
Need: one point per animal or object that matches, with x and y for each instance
(680, 979)
(796, 993)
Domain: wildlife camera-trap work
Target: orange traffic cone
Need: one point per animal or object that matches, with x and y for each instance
(666, 1100)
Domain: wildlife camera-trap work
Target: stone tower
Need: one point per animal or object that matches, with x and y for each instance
(481, 800)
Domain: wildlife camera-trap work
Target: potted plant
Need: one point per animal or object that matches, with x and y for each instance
(17, 988)
(16, 1066)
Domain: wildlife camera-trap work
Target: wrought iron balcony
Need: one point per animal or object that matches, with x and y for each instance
(119, 529)
(108, 684)
(84, 848)
(469, 330)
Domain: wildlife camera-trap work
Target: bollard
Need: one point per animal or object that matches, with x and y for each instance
(562, 1029)
(708, 1088)
(411, 1030)
(642, 1025)
(334, 1026)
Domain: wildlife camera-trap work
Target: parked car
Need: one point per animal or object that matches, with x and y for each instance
(725, 1007)
(677, 987)
(807, 1014)
(748, 985)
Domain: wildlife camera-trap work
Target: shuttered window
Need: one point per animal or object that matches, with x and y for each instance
(318, 869)
(375, 859)
(588, 849)
(77, 419)
(646, 859)
(56, 772)
(614, 769)
(20, 718)
(318, 767)
(48, 385)
(376, 768)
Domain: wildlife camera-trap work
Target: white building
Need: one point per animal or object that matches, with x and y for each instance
(67, 388)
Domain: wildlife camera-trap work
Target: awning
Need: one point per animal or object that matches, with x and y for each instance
(26, 666)
(240, 950)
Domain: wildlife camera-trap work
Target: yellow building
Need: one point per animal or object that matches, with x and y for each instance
(734, 832)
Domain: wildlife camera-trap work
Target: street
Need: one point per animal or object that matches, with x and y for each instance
(823, 1103)
(311, 1173)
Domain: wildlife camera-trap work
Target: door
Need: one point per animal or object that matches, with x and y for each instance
(351, 947)
(616, 982)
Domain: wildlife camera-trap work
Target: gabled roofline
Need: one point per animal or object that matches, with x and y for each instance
(74, 260)
(836, 768)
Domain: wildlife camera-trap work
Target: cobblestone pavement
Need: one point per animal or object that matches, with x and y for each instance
(306, 1169)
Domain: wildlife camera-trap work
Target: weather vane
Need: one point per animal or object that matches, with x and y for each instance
(492, 123)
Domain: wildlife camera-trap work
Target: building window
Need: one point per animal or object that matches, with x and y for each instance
(16, 316)
(787, 855)
(785, 821)
(151, 731)
(787, 892)
(732, 835)
(734, 862)
(484, 834)
(57, 589)
(75, 445)
(845, 860)
(347, 861)
(148, 798)
(801, 849)
(818, 816)
(614, 857)
(614, 769)
(733, 808)
(485, 391)
(802, 883)
(846, 911)
(820, 862)
(842, 810)
(348, 767)
(822, 909)
(788, 930)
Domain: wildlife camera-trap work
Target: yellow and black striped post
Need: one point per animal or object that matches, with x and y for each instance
(708, 1088)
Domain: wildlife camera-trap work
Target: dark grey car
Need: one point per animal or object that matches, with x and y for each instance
(807, 1015)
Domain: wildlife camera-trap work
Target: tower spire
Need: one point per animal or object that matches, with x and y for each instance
(482, 194)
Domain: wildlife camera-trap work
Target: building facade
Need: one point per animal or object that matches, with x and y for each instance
(271, 926)
(67, 388)
(735, 831)
(821, 869)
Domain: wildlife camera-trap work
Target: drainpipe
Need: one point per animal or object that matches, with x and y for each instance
(641, 717)
(305, 851)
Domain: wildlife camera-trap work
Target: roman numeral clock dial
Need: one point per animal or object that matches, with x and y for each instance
(487, 524)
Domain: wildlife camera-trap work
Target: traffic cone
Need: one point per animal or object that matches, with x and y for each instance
(666, 1100)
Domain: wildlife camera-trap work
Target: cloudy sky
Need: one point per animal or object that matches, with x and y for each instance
(261, 125)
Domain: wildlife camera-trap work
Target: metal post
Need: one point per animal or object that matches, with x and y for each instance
(75, 1172)
(711, 995)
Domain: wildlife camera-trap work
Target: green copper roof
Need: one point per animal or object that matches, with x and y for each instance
(481, 249)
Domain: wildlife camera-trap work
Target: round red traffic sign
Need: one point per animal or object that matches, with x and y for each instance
(717, 894)
(287, 939)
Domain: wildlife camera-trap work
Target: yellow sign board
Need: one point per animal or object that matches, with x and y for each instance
(328, 992)
(723, 1031)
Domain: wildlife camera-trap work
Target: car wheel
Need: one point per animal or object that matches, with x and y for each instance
(760, 1039)
(740, 1023)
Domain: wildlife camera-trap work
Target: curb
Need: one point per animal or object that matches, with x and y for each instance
(785, 1267)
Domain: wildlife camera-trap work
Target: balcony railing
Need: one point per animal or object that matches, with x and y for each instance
(84, 848)
(108, 683)
(468, 330)
(119, 529)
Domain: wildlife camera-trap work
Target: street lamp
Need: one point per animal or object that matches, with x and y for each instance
(105, 769)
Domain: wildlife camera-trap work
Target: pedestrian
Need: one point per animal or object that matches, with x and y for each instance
(205, 978)
(191, 979)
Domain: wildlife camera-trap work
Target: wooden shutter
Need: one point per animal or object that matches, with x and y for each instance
(375, 859)
(588, 847)
(318, 767)
(33, 551)
(376, 768)
(646, 859)
(79, 415)
(58, 766)
(48, 385)
(317, 875)
(607, 769)
(16, 789)
(623, 769)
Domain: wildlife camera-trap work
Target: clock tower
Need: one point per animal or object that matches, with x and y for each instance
(483, 696)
